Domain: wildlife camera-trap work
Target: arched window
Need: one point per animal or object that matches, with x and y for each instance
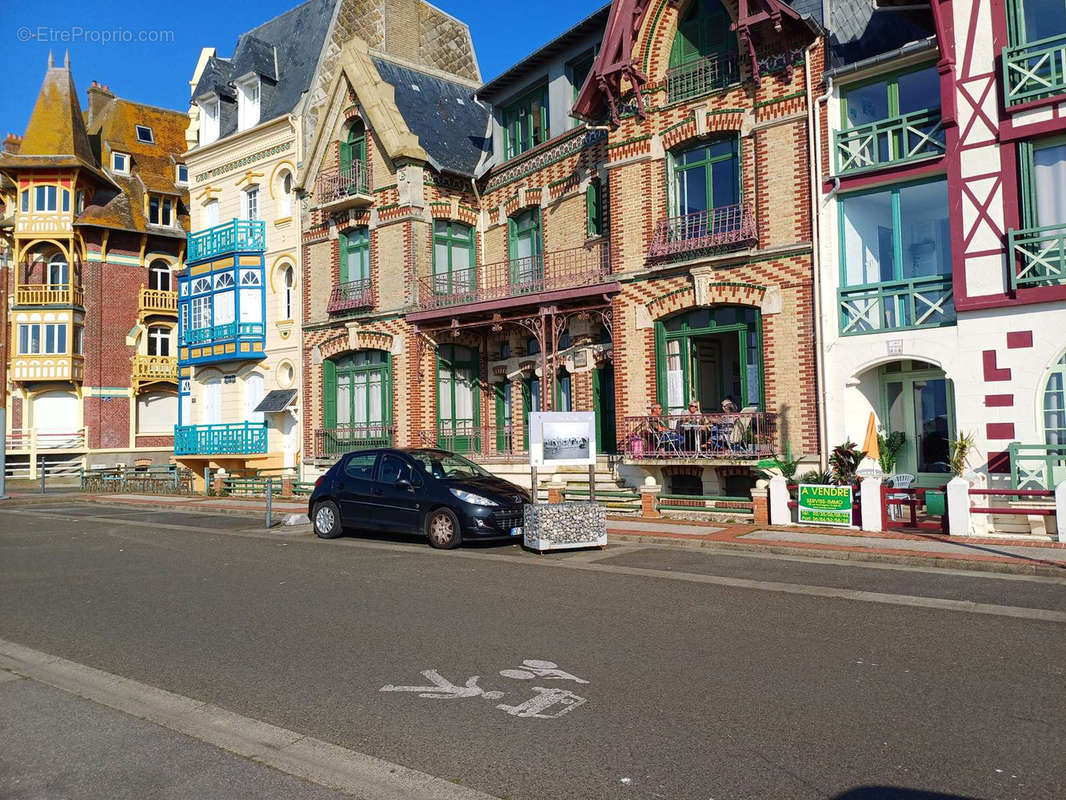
(357, 407)
(159, 276)
(286, 195)
(58, 271)
(353, 148)
(1054, 407)
(250, 203)
(355, 255)
(703, 32)
(159, 340)
(288, 291)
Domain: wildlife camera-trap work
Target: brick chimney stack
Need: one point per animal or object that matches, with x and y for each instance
(99, 96)
(12, 143)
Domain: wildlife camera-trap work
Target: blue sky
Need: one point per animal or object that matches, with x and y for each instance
(158, 73)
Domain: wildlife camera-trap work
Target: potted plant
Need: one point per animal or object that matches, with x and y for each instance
(890, 444)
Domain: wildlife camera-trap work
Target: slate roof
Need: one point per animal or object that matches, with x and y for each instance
(284, 51)
(451, 127)
(809, 8)
(861, 32)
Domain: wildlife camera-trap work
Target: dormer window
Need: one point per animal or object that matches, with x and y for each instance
(161, 210)
(144, 134)
(120, 163)
(247, 102)
(209, 114)
(182, 174)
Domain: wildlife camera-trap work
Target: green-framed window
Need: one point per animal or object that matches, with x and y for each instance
(1054, 405)
(895, 258)
(501, 396)
(353, 148)
(524, 251)
(354, 255)
(704, 30)
(1031, 21)
(705, 177)
(595, 208)
(1034, 60)
(893, 95)
(454, 263)
(1043, 178)
(357, 393)
(458, 390)
(564, 390)
(530, 402)
(707, 355)
(525, 121)
(579, 70)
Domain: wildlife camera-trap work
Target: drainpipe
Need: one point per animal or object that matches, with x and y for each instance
(814, 142)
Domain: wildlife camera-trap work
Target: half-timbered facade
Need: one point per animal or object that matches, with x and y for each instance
(942, 178)
(97, 233)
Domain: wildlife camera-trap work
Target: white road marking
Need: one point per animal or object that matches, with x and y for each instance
(443, 689)
(535, 668)
(545, 699)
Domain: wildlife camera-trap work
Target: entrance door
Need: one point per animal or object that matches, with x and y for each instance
(501, 394)
(919, 401)
(458, 404)
(530, 402)
(603, 404)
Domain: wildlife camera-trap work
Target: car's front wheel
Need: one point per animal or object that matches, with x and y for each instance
(442, 528)
(327, 520)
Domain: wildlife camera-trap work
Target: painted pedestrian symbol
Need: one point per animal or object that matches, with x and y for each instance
(546, 702)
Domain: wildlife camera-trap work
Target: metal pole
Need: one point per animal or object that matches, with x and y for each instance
(533, 480)
(43, 474)
(592, 483)
(3, 444)
(207, 480)
(270, 497)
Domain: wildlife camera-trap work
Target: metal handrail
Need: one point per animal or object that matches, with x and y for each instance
(737, 436)
(351, 295)
(703, 76)
(342, 439)
(712, 230)
(337, 184)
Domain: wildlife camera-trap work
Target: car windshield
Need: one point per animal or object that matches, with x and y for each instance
(446, 466)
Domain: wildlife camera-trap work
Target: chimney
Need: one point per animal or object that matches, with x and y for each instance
(12, 143)
(99, 97)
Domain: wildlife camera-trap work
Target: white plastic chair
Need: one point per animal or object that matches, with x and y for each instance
(901, 481)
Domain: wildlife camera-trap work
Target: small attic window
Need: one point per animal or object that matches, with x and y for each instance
(120, 162)
(416, 87)
(144, 134)
(183, 174)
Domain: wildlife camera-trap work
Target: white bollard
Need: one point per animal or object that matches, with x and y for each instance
(870, 505)
(780, 514)
(1060, 510)
(958, 506)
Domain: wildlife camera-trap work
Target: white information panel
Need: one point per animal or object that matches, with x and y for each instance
(562, 438)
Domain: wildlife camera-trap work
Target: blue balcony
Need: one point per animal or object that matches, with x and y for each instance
(224, 333)
(235, 439)
(235, 236)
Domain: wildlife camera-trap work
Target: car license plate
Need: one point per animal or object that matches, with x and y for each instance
(516, 531)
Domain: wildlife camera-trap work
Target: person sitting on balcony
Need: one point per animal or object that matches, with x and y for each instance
(724, 424)
(662, 435)
(692, 428)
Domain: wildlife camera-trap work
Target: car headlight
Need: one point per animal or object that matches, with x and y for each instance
(473, 499)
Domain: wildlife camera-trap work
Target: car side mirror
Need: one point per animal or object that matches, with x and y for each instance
(405, 484)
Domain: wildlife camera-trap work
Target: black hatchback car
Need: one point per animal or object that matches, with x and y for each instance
(442, 495)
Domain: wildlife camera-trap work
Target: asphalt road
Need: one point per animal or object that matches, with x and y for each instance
(700, 683)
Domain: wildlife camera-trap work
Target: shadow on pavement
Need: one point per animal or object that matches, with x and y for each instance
(896, 793)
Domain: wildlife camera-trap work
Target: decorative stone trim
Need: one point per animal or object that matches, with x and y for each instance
(245, 161)
(567, 145)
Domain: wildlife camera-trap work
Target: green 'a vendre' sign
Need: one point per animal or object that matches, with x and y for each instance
(824, 505)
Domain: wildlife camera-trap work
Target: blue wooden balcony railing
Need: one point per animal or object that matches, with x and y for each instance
(1038, 256)
(235, 236)
(1037, 466)
(231, 330)
(238, 438)
(1034, 70)
(887, 142)
(896, 305)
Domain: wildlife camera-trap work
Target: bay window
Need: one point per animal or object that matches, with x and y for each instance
(38, 339)
(1038, 249)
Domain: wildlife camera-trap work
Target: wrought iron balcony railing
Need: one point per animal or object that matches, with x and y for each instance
(49, 294)
(701, 77)
(1034, 70)
(235, 236)
(494, 441)
(516, 277)
(158, 301)
(897, 305)
(743, 436)
(703, 232)
(333, 442)
(148, 369)
(342, 187)
(239, 438)
(887, 142)
(351, 296)
(1037, 256)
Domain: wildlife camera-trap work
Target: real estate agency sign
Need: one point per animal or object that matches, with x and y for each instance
(824, 505)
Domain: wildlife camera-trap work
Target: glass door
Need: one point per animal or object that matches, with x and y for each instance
(603, 405)
(458, 405)
(527, 269)
(919, 402)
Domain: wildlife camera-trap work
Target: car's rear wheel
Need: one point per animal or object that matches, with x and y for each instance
(327, 520)
(442, 528)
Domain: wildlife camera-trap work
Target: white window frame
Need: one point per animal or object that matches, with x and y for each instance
(156, 270)
(159, 340)
(178, 170)
(249, 93)
(151, 134)
(41, 197)
(211, 214)
(250, 202)
(286, 195)
(124, 159)
(210, 112)
(288, 290)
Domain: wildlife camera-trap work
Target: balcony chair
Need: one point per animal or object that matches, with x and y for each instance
(901, 481)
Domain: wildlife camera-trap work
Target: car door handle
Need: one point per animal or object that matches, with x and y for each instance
(377, 492)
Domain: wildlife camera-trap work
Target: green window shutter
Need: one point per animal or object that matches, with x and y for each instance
(329, 394)
(1028, 188)
(342, 249)
(660, 363)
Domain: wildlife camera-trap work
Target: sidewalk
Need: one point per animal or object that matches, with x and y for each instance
(1024, 556)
